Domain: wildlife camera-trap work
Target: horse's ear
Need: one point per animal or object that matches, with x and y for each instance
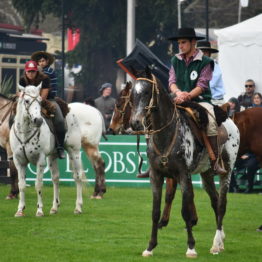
(21, 88)
(39, 86)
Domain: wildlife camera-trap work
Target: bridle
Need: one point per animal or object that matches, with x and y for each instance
(36, 131)
(150, 107)
(155, 92)
(122, 111)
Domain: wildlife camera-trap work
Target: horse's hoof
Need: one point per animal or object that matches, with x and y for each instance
(77, 212)
(96, 197)
(214, 250)
(147, 253)
(11, 196)
(53, 211)
(39, 214)
(162, 224)
(191, 253)
(19, 214)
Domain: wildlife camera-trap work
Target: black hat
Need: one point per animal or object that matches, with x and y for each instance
(186, 33)
(39, 54)
(205, 45)
(104, 86)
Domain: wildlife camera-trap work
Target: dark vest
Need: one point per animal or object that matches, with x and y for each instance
(187, 76)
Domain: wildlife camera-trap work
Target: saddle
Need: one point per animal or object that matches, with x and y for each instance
(197, 117)
(48, 111)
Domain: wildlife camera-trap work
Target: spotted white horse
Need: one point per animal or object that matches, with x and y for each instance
(31, 142)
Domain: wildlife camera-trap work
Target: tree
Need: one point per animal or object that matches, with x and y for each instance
(102, 25)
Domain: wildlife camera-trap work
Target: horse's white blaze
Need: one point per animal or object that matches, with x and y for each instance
(138, 88)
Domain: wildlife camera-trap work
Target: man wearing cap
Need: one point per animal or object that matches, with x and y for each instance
(32, 76)
(105, 103)
(216, 83)
(189, 78)
(45, 60)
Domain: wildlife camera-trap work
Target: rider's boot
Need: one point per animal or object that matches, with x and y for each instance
(217, 168)
(143, 175)
(60, 143)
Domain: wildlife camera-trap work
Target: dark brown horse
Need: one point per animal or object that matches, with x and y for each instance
(6, 105)
(174, 152)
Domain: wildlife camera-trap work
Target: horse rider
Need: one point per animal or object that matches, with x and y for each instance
(216, 83)
(32, 76)
(189, 78)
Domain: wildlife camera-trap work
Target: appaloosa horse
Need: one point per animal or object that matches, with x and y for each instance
(91, 128)
(175, 152)
(6, 106)
(32, 141)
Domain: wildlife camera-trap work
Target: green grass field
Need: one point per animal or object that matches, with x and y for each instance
(118, 227)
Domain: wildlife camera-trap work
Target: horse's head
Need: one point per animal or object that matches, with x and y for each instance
(122, 111)
(144, 98)
(30, 103)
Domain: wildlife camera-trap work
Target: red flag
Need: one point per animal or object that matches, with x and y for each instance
(73, 38)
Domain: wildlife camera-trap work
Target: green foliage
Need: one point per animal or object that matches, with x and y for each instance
(102, 25)
(118, 227)
(6, 85)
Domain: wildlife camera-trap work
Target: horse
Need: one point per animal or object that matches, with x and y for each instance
(91, 125)
(250, 128)
(32, 141)
(6, 106)
(175, 152)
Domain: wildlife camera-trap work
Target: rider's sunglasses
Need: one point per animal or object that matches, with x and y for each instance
(31, 71)
(248, 86)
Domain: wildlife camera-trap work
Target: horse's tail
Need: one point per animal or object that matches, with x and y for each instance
(103, 127)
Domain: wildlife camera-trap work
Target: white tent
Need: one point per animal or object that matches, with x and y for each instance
(240, 55)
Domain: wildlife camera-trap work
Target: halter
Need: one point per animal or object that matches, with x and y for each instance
(36, 131)
(127, 101)
(155, 90)
(163, 156)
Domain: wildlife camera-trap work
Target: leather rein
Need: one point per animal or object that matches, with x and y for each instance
(155, 91)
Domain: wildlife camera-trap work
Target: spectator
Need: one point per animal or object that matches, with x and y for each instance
(234, 106)
(245, 99)
(250, 163)
(216, 83)
(257, 100)
(105, 103)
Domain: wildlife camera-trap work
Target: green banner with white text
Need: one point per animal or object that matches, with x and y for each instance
(121, 164)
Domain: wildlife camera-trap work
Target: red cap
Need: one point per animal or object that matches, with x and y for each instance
(31, 66)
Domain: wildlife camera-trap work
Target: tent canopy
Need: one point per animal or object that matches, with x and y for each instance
(240, 55)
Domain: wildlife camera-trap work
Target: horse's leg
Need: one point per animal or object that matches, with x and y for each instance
(40, 167)
(157, 183)
(99, 167)
(13, 174)
(53, 166)
(209, 185)
(21, 186)
(171, 186)
(76, 165)
(14, 179)
(188, 212)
